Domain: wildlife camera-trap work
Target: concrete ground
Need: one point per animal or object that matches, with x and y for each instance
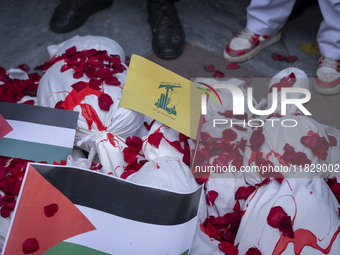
(25, 34)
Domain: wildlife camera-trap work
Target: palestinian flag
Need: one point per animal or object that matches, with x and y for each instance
(39, 133)
(67, 210)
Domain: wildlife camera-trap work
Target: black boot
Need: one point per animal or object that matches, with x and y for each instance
(71, 14)
(168, 37)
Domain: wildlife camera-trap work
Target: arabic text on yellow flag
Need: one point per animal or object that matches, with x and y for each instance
(163, 95)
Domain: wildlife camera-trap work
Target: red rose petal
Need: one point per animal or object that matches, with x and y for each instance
(111, 80)
(105, 101)
(237, 207)
(59, 105)
(285, 227)
(256, 140)
(127, 173)
(51, 209)
(209, 68)
(332, 140)
(78, 75)
(335, 188)
(277, 56)
(90, 72)
(253, 251)
(218, 74)
(155, 139)
(232, 66)
(80, 85)
(103, 72)
(4, 212)
(30, 245)
(95, 83)
(24, 67)
(211, 197)
(135, 142)
(229, 134)
(130, 155)
(244, 192)
(290, 58)
(228, 248)
(275, 216)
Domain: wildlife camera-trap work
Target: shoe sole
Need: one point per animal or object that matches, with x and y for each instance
(328, 91)
(80, 21)
(274, 39)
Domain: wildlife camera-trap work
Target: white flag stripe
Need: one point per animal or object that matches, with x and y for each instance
(117, 235)
(39, 133)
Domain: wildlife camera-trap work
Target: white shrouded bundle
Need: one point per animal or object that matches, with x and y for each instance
(313, 212)
(56, 87)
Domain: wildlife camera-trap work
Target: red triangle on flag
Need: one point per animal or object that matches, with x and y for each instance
(30, 220)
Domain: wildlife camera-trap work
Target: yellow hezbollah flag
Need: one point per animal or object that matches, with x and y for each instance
(163, 95)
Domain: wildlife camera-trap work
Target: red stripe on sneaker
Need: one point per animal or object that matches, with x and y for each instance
(329, 84)
(235, 52)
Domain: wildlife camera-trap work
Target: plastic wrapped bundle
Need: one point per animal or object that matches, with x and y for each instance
(86, 74)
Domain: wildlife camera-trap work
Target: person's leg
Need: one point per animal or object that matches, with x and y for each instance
(328, 72)
(168, 37)
(264, 20)
(266, 17)
(72, 14)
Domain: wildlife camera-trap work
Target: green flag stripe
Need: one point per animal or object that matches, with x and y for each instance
(33, 151)
(66, 248)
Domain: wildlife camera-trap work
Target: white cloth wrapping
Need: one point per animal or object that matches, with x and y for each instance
(164, 149)
(310, 204)
(56, 86)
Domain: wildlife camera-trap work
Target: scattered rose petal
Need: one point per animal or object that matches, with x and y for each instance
(127, 173)
(211, 197)
(59, 105)
(209, 68)
(290, 58)
(232, 66)
(332, 140)
(318, 145)
(95, 83)
(218, 74)
(244, 192)
(30, 245)
(335, 188)
(237, 207)
(4, 212)
(78, 75)
(51, 209)
(256, 140)
(78, 86)
(155, 139)
(277, 56)
(130, 155)
(253, 251)
(285, 227)
(111, 80)
(24, 67)
(135, 142)
(228, 248)
(275, 215)
(229, 135)
(105, 101)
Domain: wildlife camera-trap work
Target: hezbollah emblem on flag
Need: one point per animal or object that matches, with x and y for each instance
(168, 100)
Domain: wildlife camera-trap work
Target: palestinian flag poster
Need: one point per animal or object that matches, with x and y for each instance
(67, 210)
(38, 133)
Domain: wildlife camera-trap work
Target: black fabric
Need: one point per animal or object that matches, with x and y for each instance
(71, 14)
(122, 198)
(39, 115)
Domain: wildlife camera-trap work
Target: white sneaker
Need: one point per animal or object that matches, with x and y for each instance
(327, 79)
(246, 44)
